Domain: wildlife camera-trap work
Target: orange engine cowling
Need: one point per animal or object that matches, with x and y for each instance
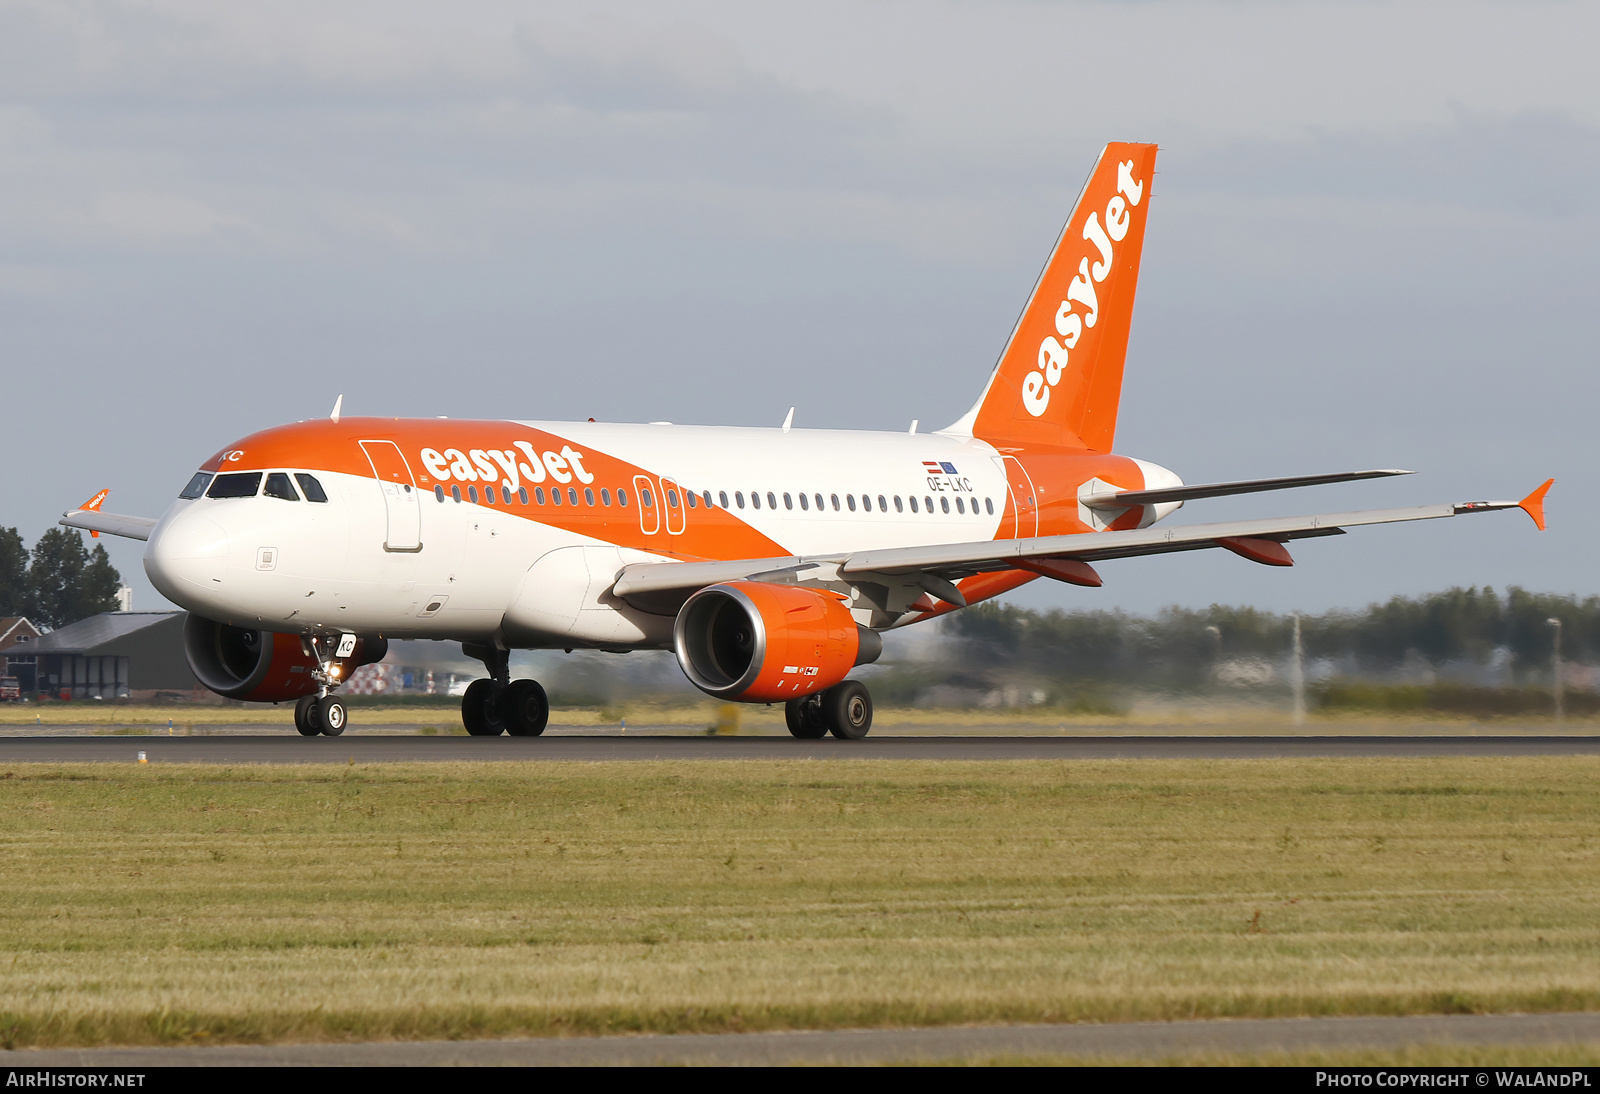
(261, 666)
(753, 642)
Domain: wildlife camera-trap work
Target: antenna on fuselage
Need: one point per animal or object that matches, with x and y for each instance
(337, 404)
(788, 420)
(914, 423)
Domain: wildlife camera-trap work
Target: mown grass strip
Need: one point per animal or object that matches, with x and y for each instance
(146, 905)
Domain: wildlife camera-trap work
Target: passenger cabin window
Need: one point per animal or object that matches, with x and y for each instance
(959, 507)
(755, 499)
(438, 493)
(622, 497)
(883, 506)
(505, 494)
(945, 504)
(279, 486)
(738, 496)
(772, 501)
(722, 496)
(646, 498)
(555, 495)
(913, 502)
(866, 502)
(241, 484)
(928, 503)
(455, 492)
(197, 486)
(819, 502)
(898, 508)
(804, 505)
(605, 496)
(988, 505)
(310, 487)
(788, 502)
(538, 494)
(705, 496)
(850, 500)
(694, 500)
(522, 495)
(835, 498)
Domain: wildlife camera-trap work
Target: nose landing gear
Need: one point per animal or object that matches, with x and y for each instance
(323, 713)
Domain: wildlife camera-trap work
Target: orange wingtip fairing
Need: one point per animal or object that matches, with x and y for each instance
(1533, 504)
(93, 506)
(1268, 552)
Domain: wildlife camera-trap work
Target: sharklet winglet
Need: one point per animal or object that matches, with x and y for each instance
(1533, 504)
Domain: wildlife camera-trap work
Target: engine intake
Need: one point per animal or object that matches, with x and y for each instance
(261, 666)
(755, 642)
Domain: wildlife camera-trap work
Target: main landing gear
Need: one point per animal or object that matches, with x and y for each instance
(500, 704)
(844, 710)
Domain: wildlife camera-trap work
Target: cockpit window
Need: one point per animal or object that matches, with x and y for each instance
(240, 484)
(197, 485)
(279, 486)
(310, 487)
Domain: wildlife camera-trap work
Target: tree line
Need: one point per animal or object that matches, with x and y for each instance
(61, 581)
(1182, 646)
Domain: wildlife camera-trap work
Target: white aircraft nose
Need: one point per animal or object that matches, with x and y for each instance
(185, 556)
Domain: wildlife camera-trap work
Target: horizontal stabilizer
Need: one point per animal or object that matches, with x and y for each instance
(111, 523)
(1124, 499)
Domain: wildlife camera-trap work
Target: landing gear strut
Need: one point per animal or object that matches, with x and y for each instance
(499, 704)
(323, 713)
(844, 710)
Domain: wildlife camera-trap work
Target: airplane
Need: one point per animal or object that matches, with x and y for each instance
(769, 560)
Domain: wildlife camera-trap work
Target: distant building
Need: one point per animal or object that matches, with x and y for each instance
(114, 655)
(17, 641)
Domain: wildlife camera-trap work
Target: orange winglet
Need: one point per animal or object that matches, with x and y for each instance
(1268, 552)
(93, 506)
(1533, 504)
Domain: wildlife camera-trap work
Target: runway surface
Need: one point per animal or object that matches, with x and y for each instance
(1130, 1040)
(288, 747)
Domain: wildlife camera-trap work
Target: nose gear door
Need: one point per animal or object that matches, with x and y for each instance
(400, 500)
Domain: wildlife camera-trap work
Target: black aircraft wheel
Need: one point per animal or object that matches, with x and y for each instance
(305, 716)
(524, 709)
(331, 715)
(805, 717)
(479, 711)
(847, 708)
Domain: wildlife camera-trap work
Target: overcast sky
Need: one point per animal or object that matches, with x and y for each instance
(1372, 242)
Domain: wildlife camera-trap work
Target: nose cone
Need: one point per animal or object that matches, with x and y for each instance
(186, 558)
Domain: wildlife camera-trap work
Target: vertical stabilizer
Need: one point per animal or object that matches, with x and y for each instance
(1059, 380)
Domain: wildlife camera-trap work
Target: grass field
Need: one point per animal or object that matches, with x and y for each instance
(175, 904)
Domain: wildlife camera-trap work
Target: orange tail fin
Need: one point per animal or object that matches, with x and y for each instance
(1059, 380)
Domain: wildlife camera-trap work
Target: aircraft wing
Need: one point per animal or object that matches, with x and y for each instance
(935, 568)
(111, 523)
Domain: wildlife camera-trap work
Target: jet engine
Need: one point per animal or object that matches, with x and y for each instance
(262, 666)
(754, 642)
